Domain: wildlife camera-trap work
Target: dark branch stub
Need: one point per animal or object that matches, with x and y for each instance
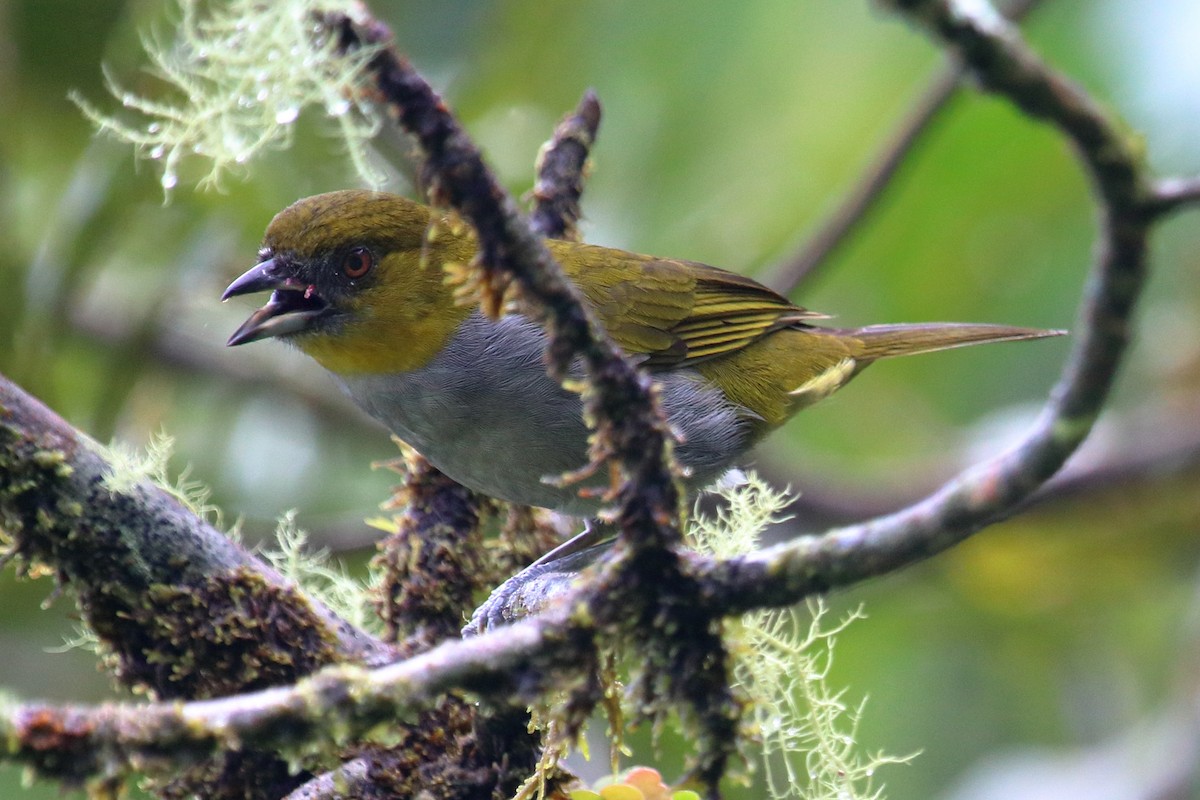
(561, 170)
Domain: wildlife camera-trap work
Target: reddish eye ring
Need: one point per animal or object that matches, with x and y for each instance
(357, 262)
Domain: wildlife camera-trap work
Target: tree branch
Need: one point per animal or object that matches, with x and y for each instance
(347, 780)
(1173, 194)
(128, 547)
(994, 52)
(643, 590)
(76, 744)
(522, 659)
(182, 611)
(561, 171)
(864, 195)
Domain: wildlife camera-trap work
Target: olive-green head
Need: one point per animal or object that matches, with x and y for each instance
(356, 281)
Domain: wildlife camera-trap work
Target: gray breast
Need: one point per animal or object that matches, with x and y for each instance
(485, 413)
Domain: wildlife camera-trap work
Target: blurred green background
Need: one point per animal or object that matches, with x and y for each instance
(1055, 655)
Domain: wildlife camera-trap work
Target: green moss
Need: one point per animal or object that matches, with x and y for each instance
(236, 632)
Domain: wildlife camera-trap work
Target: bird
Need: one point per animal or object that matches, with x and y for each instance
(357, 283)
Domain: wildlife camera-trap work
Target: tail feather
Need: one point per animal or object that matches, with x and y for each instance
(886, 341)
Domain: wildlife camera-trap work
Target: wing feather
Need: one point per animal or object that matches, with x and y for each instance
(673, 313)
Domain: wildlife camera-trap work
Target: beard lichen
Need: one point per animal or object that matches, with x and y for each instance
(781, 661)
(236, 78)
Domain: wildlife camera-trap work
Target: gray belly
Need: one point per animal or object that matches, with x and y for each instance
(485, 413)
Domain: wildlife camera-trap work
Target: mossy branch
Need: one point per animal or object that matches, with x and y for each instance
(117, 540)
(644, 591)
(179, 609)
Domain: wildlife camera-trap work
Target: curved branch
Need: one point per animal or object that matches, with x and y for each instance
(517, 659)
(993, 50)
(1125, 450)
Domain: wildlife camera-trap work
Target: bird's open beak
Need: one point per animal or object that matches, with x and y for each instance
(293, 308)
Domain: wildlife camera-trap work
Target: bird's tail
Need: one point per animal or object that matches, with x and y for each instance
(886, 341)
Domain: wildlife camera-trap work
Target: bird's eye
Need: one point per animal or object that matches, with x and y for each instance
(357, 262)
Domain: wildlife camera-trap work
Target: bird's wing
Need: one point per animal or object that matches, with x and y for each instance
(676, 313)
(731, 311)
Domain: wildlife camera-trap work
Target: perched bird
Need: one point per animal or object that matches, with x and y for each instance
(357, 284)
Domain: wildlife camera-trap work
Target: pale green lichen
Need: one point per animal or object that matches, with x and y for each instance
(84, 639)
(237, 76)
(127, 467)
(309, 569)
(782, 658)
(315, 573)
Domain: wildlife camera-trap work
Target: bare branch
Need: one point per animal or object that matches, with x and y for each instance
(858, 202)
(994, 52)
(1173, 194)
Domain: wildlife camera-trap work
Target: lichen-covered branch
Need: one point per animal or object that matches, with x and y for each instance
(644, 591)
(434, 562)
(431, 563)
(135, 555)
(179, 609)
(514, 264)
(995, 54)
(76, 744)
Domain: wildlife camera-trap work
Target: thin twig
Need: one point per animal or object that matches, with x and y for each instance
(1174, 194)
(864, 195)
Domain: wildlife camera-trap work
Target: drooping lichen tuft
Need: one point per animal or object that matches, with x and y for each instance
(318, 576)
(237, 78)
(807, 730)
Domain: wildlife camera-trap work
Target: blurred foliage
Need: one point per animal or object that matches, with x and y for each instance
(729, 130)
